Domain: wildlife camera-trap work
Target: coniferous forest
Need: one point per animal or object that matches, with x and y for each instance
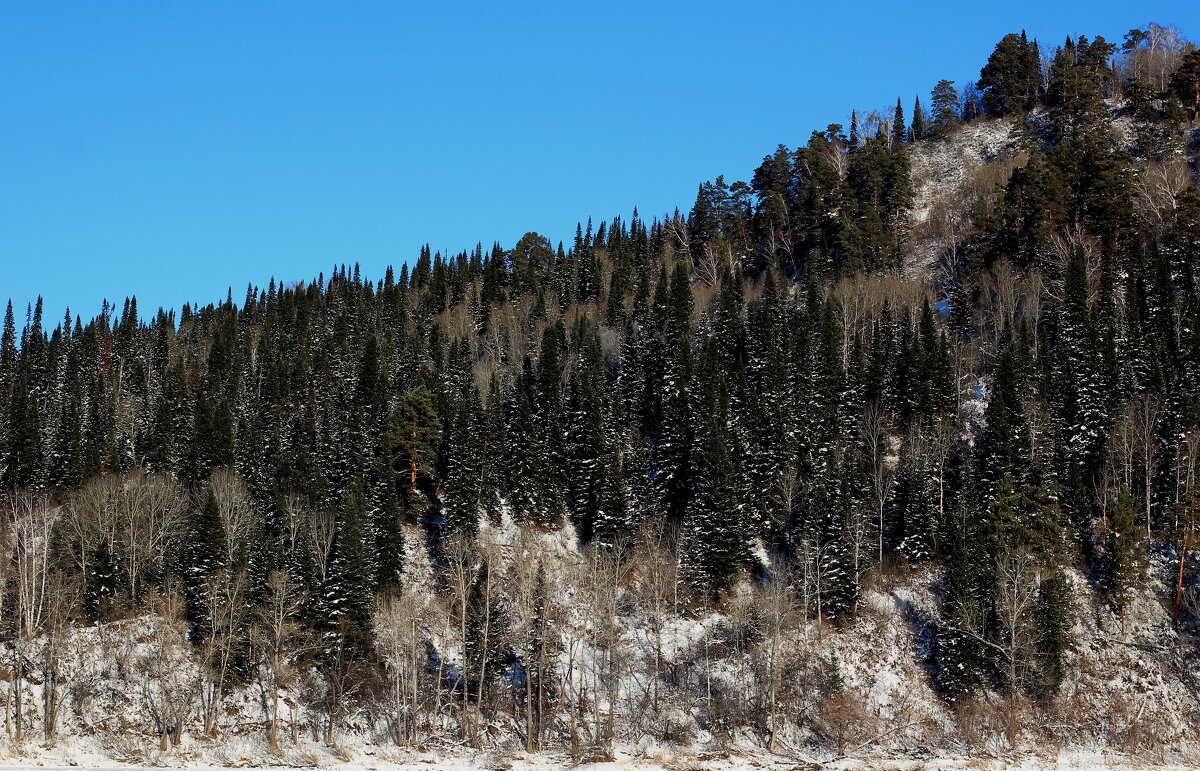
(925, 386)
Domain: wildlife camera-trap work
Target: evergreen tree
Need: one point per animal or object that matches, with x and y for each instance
(348, 593)
(899, 130)
(920, 122)
(487, 632)
(716, 541)
(1122, 562)
(205, 559)
(946, 112)
(1010, 79)
(461, 494)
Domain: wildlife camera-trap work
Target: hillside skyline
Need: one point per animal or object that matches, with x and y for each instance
(158, 156)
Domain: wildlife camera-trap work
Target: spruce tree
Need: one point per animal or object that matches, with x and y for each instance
(205, 558)
(920, 122)
(348, 593)
(715, 540)
(461, 493)
(1122, 561)
(899, 130)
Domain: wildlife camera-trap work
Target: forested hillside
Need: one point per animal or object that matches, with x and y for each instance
(654, 484)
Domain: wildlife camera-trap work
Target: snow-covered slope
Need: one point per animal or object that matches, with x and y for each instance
(942, 171)
(1131, 690)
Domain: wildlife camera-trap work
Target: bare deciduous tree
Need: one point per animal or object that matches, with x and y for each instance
(31, 521)
(129, 521)
(400, 639)
(226, 612)
(279, 639)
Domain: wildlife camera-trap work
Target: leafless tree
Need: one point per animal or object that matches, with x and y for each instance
(1156, 55)
(226, 612)
(781, 613)
(1157, 187)
(531, 604)
(1146, 415)
(318, 527)
(31, 523)
(461, 565)
(874, 426)
(279, 639)
(235, 507)
(62, 602)
(164, 665)
(605, 574)
(659, 592)
(6, 615)
(132, 521)
(1018, 579)
(400, 639)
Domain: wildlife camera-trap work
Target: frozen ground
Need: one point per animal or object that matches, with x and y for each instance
(1127, 691)
(404, 761)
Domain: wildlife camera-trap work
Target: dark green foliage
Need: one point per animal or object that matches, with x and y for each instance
(715, 543)
(1121, 559)
(769, 368)
(962, 657)
(945, 107)
(487, 637)
(348, 594)
(1054, 619)
(920, 122)
(461, 493)
(205, 559)
(413, 437)
(1185, 82)
(1011, 78)
(899, 130)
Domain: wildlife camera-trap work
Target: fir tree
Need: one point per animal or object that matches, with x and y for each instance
(945, 106)
(899, 130)
(206, 558)
(348, 593)
(920, 122)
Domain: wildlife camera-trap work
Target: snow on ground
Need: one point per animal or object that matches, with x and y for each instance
(941, 170)
(360, 759)
(1127, 691)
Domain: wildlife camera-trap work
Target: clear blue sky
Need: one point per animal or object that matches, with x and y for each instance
(170, 149)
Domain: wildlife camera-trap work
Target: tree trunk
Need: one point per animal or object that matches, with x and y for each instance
(529, 743)
(19, 700)
(274, 727)
(163, 743)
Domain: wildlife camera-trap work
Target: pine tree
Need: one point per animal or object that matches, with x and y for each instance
(715, 540)
(461, 494)
(1011, 77)
(1122, 562)
(413, 438)
(487, 632)
(386, 517)
(1004, 448)
(960, 653)
(1185, 82)
(945, 105)
(1053, 612)
(8, 353)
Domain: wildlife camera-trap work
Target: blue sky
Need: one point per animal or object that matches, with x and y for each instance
(171, 150)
